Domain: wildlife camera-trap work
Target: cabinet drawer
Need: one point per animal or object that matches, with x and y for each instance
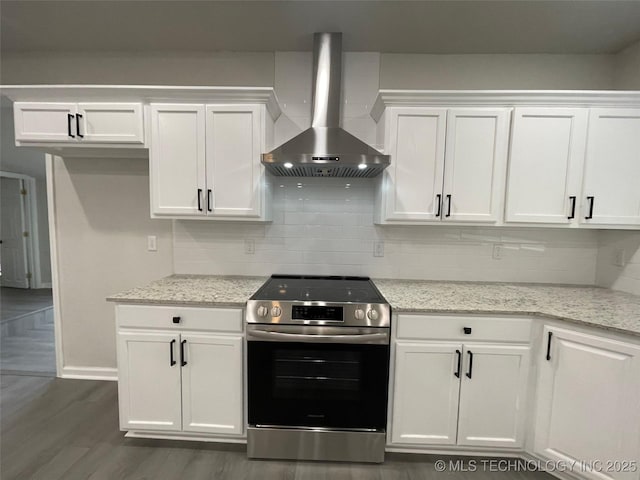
(191, 318)
(452, 327)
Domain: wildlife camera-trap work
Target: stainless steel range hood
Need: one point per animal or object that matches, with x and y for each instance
(325, 149)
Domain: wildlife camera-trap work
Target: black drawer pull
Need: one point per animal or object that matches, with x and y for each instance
(470, 363)
(549, 346)
(199, 199)
(457, 372)
(183, 362)
(172, 361)
(176, 319)
(209, 194)
(439, 202)
(448, 206)
(69, 118)
(467, 330)
(591, 201)
(572, 199)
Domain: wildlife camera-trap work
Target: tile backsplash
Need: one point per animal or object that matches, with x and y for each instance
(619, 260)
(325, 226)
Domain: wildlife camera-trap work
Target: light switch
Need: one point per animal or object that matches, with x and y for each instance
(152, 243)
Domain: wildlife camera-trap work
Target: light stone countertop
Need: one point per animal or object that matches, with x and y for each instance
(590, 306)
(195, 290)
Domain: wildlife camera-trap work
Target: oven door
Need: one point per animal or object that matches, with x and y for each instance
(323, 377)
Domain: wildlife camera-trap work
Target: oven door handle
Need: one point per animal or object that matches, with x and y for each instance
(301, 337)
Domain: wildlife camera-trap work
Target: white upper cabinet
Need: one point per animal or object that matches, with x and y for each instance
(177, 166)
(446, 165)
(545, 166)
(475, 164)
(234, 171)
(78, 123)
(612, 170)
(205, 161)
(416, 139)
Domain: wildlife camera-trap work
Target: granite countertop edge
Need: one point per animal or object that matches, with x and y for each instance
(155, 291)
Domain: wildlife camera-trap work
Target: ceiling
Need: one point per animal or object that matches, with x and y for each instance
(442, 27)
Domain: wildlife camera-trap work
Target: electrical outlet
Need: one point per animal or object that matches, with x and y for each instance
(378, 249)
(498, 251)
(249, 246)
(619, 257)
(152, 243)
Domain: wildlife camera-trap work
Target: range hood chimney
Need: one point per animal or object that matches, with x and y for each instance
(325, 149)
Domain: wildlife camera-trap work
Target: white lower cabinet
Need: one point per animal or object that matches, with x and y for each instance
(179, 381)
(455, 393)
(588, 404)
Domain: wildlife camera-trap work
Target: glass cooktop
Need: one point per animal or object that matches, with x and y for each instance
(331, 289)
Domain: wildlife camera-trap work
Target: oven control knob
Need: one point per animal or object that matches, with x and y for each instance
(373, 315)
(276, 311)
(359, 314)
(262, 311)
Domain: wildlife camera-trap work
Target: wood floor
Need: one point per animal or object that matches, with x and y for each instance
(55, 429)
(26, 332)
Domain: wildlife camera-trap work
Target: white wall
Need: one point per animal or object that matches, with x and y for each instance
(627, 68)
(29, 162)
(610, 275)
(497, 72)
(126, 68)
(326, 227)
(102, 223)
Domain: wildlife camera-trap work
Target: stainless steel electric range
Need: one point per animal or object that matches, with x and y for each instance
(318, 368)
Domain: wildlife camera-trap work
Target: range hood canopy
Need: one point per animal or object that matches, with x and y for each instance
(325, 149)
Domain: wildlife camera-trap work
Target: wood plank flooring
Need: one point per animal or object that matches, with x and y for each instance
(20, 301)
(55, 429)
(27, 344)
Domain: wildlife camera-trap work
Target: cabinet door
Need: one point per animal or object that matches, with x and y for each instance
(588, 406)
(177, 160)
(111, 122)
(475, 164)
(212, 384)
(494, 419)
(414, 178)
(149, 381)
(545, 168)
(612, 170)
(425, 394)
(234, 171)
(45, 122)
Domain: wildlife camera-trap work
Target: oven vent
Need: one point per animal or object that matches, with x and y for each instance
(328, 171)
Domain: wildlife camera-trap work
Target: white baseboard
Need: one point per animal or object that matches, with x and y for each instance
(90, 373)
(186, 436)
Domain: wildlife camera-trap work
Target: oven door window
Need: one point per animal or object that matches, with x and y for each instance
(318, 385)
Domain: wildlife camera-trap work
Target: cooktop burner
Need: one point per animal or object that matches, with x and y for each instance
(319, 289)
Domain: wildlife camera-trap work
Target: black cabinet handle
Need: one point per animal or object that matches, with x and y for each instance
(439, 202)
(549, 346)
(69, 118)
(466, 330)
(572, 199)
(457, 373)
(448, 206)
(78, 117)
(183, 362)
(209, 208)
(172, 361)
(470, 363)
(176, 319)
(199, 199)
(591, 201)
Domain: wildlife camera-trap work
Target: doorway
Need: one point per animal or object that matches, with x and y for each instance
(26, 311)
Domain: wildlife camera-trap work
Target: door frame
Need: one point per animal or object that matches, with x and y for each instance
(30, 214)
